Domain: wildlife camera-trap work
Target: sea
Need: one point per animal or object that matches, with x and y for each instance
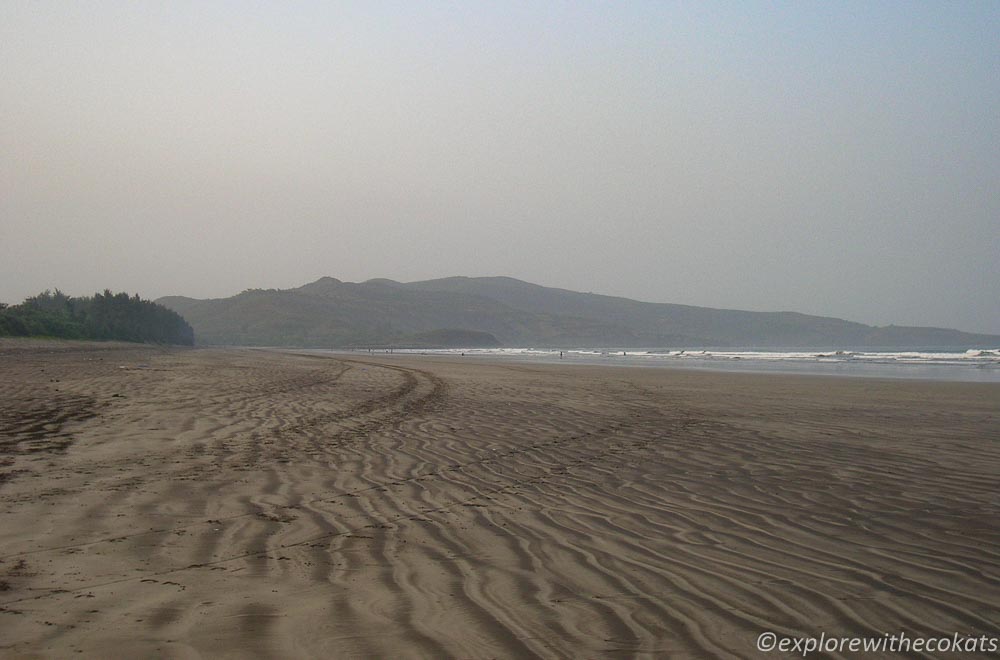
(981, 365)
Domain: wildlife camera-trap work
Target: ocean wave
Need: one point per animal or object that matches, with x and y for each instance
(971, 356)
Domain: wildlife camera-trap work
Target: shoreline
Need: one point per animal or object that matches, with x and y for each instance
(211, 502)
(865, 370)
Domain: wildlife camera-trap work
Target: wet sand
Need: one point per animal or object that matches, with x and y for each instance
(248, 503)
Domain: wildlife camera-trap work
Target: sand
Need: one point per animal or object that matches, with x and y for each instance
(251, 503)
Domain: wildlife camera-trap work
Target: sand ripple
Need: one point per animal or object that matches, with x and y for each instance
(252, 503)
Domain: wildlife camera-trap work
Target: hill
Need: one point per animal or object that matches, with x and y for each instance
(329, 312)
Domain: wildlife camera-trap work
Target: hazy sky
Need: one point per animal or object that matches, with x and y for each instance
(833, 158)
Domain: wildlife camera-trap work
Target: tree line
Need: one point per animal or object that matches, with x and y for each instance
(103, 316)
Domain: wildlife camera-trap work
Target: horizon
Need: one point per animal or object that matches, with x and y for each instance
(487, 277)
(829, 160)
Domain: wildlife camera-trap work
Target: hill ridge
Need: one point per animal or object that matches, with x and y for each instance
(331, 312)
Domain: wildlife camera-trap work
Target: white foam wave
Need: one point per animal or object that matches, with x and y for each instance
(983, 356)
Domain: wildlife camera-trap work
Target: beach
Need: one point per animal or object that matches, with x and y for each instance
(167, 502)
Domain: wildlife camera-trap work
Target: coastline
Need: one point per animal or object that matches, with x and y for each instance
(189, 502)
(816, 362)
